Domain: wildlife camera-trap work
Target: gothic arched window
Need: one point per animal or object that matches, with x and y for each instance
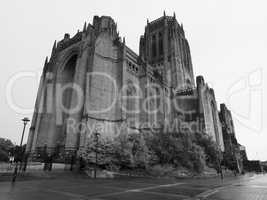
(154, 46)
(160, 44)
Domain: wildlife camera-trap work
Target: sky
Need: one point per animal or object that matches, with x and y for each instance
(227, 39)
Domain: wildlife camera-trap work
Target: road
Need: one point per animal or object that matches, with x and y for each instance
(80, 188)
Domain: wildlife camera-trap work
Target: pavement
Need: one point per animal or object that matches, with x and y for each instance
(73, 187)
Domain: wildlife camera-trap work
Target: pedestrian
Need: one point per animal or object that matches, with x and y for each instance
(11, 161)
(50, 162)
(235, 172)
(82, 164)
(221, 172)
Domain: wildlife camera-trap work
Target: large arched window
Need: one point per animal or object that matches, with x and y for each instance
(67, 80)
(160, 44)
(154, 46)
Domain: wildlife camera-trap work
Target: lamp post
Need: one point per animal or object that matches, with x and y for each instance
(96, 152)
(25, 121)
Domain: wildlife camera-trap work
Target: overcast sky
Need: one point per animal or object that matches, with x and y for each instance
(228, 41)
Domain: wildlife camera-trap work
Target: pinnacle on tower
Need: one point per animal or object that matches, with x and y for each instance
(84, 27)
(174, 15)
(164, 13)
(45, 65)
(55, 45)
(46, 60)
(182, 27)
(54, 48)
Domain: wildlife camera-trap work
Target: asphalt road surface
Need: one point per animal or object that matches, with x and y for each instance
(78, 188)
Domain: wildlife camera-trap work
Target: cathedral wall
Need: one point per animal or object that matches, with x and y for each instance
(132, 90)
(32, 134)
(103, 86)
(208, 110)
(228, 130)
(186, 105)
(45, 114)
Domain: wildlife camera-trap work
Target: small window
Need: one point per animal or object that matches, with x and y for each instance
(154, 46)
(160, 44)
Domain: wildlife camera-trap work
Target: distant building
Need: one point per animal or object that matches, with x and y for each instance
(264, 165)
(243, 152)
(253, 166)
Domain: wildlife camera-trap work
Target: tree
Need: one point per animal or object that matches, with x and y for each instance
(139, 151)
(6, 147)
(213, 155)
(18, 152)
(127, 151)
(122, 152)
(177, 149)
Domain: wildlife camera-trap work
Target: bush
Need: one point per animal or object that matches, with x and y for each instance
(213, 155)
(130, 151)
(178, 150)
(161, 170)
(160, 152)
(198, 158)
(124, 152)
(3, 156)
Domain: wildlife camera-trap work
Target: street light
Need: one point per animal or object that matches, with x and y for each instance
(96, 135)
(25, 121)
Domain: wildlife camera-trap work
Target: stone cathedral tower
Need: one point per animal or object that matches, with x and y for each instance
(87, 76)
(165, 47)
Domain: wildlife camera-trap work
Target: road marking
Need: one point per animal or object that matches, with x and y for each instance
(74, 195)
(153, 187)
(211, 192)
(256, 186)
(216, 190)
(166, 194)
(135, 190)
(207, 193)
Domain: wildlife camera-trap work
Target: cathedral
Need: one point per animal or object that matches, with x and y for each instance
(95, 79)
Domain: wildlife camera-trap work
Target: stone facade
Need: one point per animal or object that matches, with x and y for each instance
(90, 73)
(233, 150)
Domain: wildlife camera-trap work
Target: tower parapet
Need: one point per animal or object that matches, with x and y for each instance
(105, 23)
